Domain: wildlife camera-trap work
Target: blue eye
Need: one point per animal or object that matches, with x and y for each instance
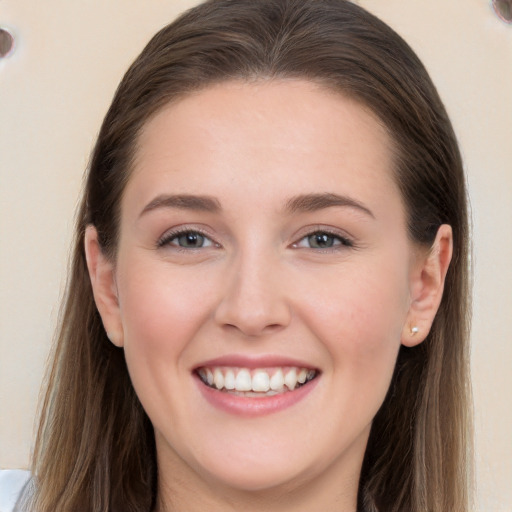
(186, 240)
(323, 240)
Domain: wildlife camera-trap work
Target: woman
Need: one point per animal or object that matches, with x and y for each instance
(267, 306)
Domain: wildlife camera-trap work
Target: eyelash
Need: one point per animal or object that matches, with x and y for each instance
(344, 242)
(168, 237)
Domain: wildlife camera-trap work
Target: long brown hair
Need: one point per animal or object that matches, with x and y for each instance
(95, 447)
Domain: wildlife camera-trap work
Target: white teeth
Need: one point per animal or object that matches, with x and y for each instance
(277, 380)
(229, 380)
(218, 378)
(260, 381)
(290, 379)
(243, 381)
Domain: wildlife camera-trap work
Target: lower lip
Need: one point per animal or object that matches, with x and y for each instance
(254, 406)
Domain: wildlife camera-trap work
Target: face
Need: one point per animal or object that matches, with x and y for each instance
(263, 251)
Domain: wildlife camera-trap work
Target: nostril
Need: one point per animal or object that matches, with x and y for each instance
(274, 327)
(252, 330)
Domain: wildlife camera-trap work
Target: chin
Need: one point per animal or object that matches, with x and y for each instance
(259, 479)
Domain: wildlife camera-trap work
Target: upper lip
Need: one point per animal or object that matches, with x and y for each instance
(252, 362)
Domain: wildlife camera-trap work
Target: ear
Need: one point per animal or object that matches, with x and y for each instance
(427, 285)
(101, 273)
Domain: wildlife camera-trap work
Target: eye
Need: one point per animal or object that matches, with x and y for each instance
(188, 239)
(323, 240)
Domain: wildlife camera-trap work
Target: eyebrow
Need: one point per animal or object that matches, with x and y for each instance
(301, 203)
(314, 202)
(183, 202)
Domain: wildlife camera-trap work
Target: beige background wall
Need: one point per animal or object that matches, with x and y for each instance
(57, 85)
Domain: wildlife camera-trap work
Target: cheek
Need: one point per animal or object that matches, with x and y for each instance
(155, 300)
(161, 312)
(359, 319)
(366, 303)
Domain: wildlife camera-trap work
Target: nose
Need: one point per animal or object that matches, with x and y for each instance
(254, 302)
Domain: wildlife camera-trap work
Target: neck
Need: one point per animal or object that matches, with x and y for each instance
(333, 490)
(313, 497)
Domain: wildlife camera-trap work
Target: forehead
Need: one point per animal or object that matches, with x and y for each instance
(262, 137)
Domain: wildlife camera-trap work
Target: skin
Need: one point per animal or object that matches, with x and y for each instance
(258, 288)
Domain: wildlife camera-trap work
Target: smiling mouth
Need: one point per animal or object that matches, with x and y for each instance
(257, 382)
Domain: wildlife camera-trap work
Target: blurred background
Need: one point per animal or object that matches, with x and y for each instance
(55, 86)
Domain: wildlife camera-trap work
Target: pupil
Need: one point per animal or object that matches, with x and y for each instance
(322, 240)
(191, 240)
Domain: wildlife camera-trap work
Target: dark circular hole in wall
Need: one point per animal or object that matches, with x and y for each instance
(503, 9)
(6, 42)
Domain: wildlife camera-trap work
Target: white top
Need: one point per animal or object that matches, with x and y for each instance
(12, 482)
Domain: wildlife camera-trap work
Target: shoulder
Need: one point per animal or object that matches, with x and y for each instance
(12, 482)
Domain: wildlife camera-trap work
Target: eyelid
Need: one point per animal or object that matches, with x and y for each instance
(347, 241)
(175, 232)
